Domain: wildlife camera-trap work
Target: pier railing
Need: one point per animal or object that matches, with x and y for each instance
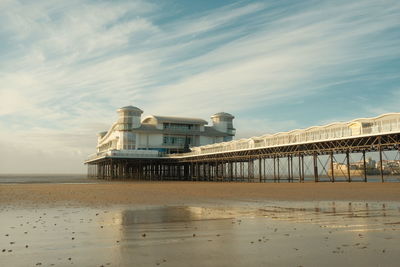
(124, 154)
(385, 124)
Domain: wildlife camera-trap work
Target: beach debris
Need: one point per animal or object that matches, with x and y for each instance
(3, 250)
(383, 251)
(26, 246)
(39, 263)
(194, 235)
(144, 234)
(69, 259)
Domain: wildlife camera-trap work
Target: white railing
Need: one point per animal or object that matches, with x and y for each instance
(125, 154)
(386, 123)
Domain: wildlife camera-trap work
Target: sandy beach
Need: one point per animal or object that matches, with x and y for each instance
(156, 193)
(200, 224)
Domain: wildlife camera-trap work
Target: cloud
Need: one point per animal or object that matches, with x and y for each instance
(66, 66)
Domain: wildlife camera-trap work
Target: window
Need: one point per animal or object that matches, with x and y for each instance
(180, 127)
(176, 140)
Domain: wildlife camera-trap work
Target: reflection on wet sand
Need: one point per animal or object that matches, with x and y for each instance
(284, 233)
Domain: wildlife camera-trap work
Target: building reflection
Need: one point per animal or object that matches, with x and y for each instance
(156, 233)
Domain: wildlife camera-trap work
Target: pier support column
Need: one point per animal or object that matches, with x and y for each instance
(364, 166)
(348, 166)
(381, 162)
(274, 169)
(315, 159)
(332, 169)
(289, 171)
(300, 176)
(277, 163)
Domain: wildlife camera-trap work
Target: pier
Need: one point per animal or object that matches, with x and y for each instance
(338, 152)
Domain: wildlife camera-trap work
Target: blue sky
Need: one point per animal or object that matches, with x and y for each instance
(66, 66)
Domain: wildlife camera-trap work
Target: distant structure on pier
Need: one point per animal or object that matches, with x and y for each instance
(153, 134)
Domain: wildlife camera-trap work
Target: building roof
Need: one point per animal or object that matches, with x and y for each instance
(162, 119)
(101, 134)
(132, 108)
(223, 114)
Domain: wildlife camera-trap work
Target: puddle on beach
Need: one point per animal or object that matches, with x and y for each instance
(277, 234)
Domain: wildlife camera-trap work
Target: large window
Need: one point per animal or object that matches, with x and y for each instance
(176, 140)
(180, 127)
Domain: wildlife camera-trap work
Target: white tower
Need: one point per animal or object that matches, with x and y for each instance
(223, 122)
(129, 118)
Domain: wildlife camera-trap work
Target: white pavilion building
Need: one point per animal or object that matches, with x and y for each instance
(153, 134)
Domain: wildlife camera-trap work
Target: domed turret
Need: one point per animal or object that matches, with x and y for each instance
(129, 117)
(223, 122)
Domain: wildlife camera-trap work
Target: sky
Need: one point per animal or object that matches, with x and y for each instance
(66, 66)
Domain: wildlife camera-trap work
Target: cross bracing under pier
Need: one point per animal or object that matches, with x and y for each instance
(365, 150)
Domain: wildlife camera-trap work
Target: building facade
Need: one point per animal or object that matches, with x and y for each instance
(163, 134)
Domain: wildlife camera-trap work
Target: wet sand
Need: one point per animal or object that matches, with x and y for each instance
(295, 234)
(156, 193)
(200, 224)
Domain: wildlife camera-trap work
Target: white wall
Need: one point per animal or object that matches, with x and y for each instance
(146, 140)
(155, 140)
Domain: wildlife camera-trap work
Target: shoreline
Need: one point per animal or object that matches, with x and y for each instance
(178, 193)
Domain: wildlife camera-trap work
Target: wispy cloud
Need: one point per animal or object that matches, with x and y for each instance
(67, 65)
